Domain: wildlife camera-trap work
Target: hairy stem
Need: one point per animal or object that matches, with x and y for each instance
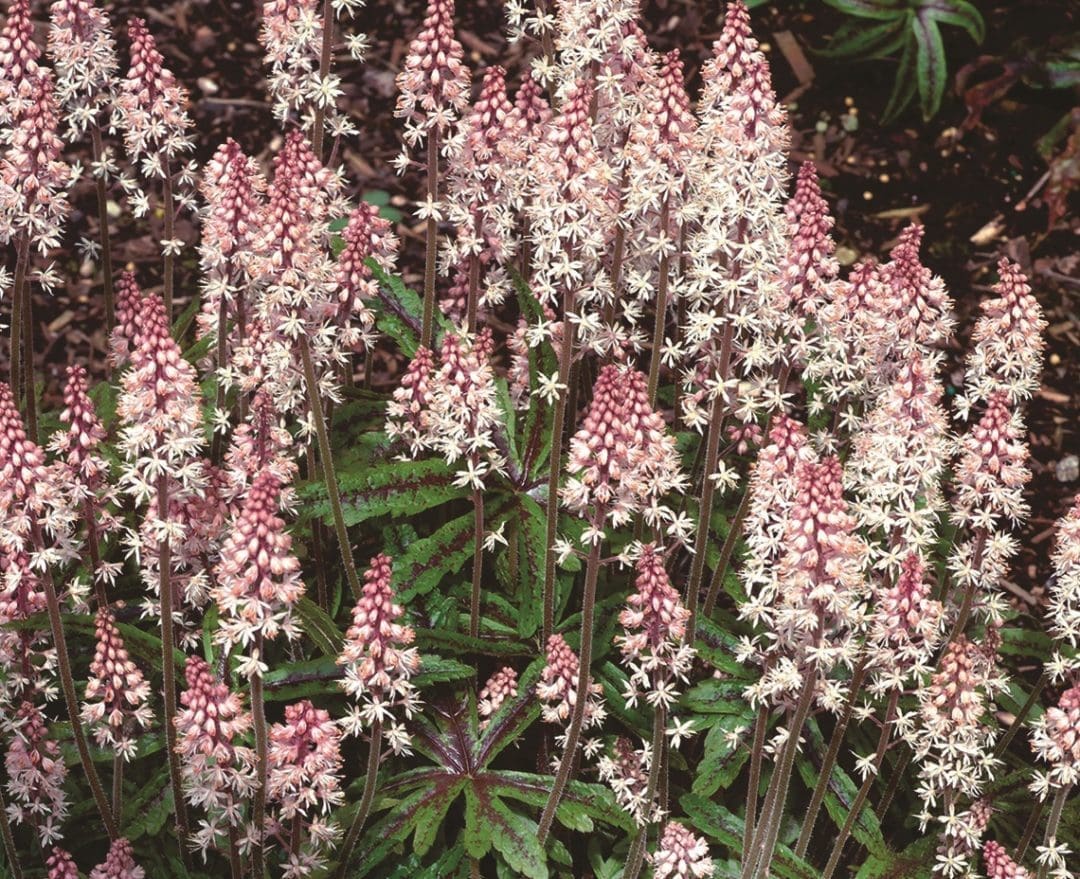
(761, 853)
(1052, 825)
(117, 784)
(472, 303)
(894, 783)
(661, 310)
(217, 442)
(756, 756)
(864, 789)
(428, 326)
(318, 130)
(1018, 721)
(236, 864)
(365, 800)
(708, 493)
(636, 857)
(726, 551)
(558, 424)
(168, 668)
(1029, 831)
(258, 722)
(831, 754)
(577, 716)
(327, 462)
(10, 851)
(67, 683)
(103, 230)
(28, 361)
(478, 563)
(169, 209)
(15, 347)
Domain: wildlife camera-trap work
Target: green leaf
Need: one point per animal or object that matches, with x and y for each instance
(718, 823)
(854, 38)
(437, 670)
(514, 837)
(429, 559)
(877, 9)
(582, 802)
(477, 835)
(716, 696)
(399, 311)
(394, 488)
(960, 13)
(930, 63)
(904, 85)
(915, 862)
(839, 796)
(532, 556)
(721, 763)
(321, 629)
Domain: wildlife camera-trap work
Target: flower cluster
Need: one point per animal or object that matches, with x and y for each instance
(681, 855)
(622, 459)
(304, 785)
(654, 626)
(499, 687)
(36, 774)
(218, 771)
(558, 684)
(258, 577)
(1056, 741)
(117, 694)
(119, 863)
(378, 659)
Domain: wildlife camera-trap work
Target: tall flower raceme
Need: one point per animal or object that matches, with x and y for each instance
(433, 87)
(408, 416)
(741, 237)
(570, 214)
(558, 687)
(151, 111)
(379, 664)
(953, 742)
(36, 772)
(258, 578)
(117, 694)
(296, 301)
(1063, 600)
(81, 475)
(119, 863)
(434, 81)
(162, 437)
(367, 236)
(84, 57)
(479, 203)
(34, 178)
(900, 452)
(304, 786)
(811, 601)
(657, 208)
(999, 865)
(1007, 344)
(292, 36)
(233, 191)
(623, 461)
(499, 687)
(379, 661)
(218, 769)
(83, 52)
(658, 662)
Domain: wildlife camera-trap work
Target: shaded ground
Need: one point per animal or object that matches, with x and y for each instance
(978, 186)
